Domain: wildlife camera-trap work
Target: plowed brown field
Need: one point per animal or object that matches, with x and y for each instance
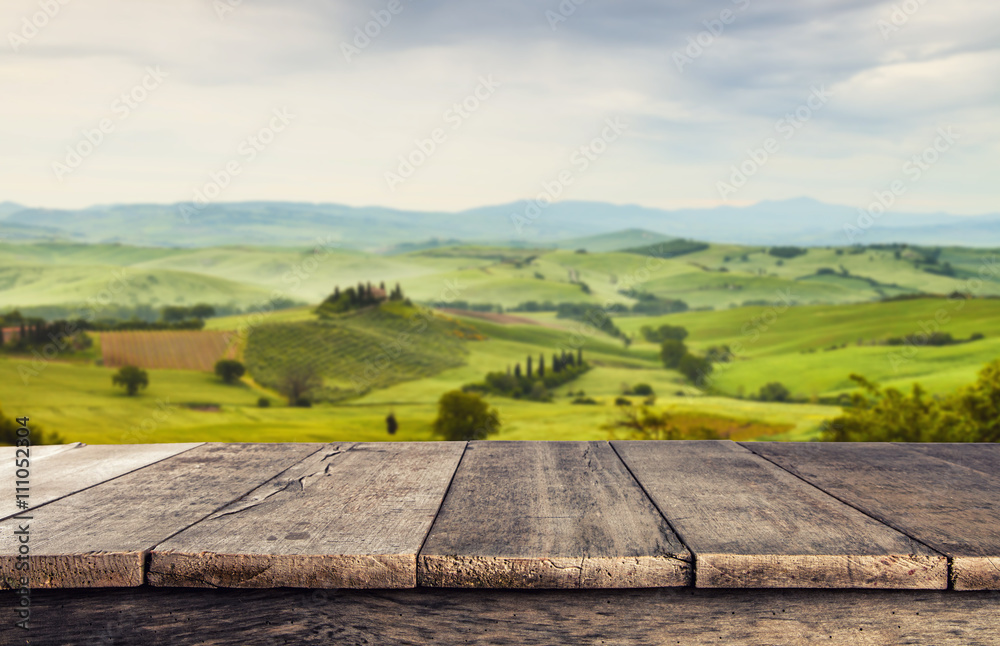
(171, 350)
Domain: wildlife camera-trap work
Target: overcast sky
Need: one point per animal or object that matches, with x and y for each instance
(870, 90)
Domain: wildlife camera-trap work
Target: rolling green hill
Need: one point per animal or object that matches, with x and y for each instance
(353, 353)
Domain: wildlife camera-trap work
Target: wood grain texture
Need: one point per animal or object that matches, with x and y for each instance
(58, 473)
(982, 457)
(100, 537)
(549, 515)
(652, 617)
(954, 509)
(751, 524)
(349, 516)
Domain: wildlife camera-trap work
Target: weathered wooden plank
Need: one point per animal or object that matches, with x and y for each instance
(100, 537)
(349, 516)
(652, 617)
(549, 515)
(751, 524)
(982, 457)
(954, 509)
(55, 473)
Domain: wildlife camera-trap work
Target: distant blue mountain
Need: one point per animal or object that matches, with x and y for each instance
(801, 221)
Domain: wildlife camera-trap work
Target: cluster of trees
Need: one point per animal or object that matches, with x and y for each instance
(787, 252)
(353, 298)
(663, 333)
(652, 305)
(676, 356)
(593, 315)
(33, 333)
(934, 339)
(888, 415)
(535, 382)
(669, 249)
(178, 313)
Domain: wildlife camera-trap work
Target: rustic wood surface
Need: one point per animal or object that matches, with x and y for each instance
(651, 617)
(751, 524)
(100, 537)
(954, 509)
(549, 515)
(58, 473)
(349, 516)
(982, 457)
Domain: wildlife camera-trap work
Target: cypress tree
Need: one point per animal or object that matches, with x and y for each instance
(517, 370)
(529, 366)
(541, 365)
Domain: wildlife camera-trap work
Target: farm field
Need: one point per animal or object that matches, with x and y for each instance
(168, 350)
(809, 347)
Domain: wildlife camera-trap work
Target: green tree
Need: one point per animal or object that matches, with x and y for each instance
(298, 381)
(229, 370)
(671, 352)
(877, 414)
(131, 378)
(202, 311)
(773, 392)
(465, 416)
(174, 313)
(696, 369)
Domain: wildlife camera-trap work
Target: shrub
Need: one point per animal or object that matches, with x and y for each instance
(773, 392)
(263, 402)
(696, 369)
(787, 252)
(584, 400)
(131, 378)
(465, 417)
(622, 401)
(642, 389)
(671, 352)
(229, 370)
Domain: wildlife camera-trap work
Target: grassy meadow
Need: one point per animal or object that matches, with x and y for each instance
(807, 322)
